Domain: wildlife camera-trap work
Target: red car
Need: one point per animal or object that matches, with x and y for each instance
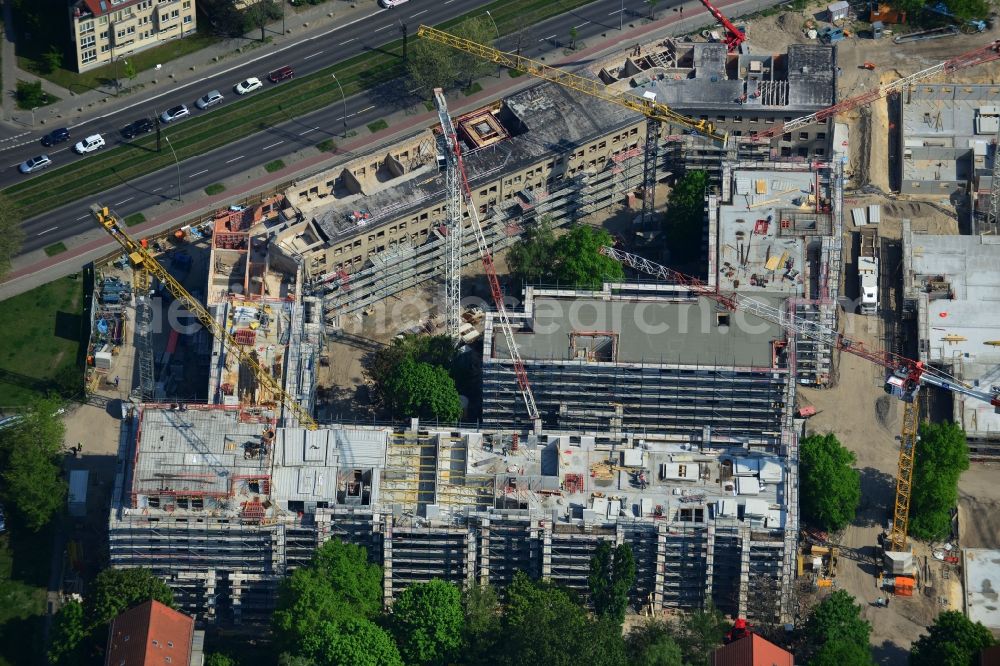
(281, 74)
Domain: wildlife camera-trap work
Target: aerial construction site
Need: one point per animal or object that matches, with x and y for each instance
(846, 249)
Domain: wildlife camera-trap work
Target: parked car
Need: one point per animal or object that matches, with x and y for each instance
(141, 126)
(34, 164)
(211, 99)
(55, 136)
(388, 4)
(176, 113)
(281, 74)
(248, 86)
(3, 521)
(90, 144)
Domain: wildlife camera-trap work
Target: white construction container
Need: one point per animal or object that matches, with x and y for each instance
(77, 497)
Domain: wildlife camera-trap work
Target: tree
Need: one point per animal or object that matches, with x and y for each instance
(653, 644)
(338, 585)
(289, 659)
(842, 653)
(220, 659)
(116, 590)
(652, 8)
(11, 235)
(424, 390)
(699, 633)
(481, 627)
(953, 640)
(968, 9)
(52, 59)
(431, 65)
(578, 260)
(543, 624)
(30, 458)
(612, 575)
(830, 487)
(355, 641)
(69, 636)
(130, 71)
(427, 622)
(530, 257)
(29, 94)
(941, 456)
(573, 34)
(258, 14)
(836, 628)
(684, 222)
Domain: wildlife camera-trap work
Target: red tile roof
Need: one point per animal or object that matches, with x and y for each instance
(751, 650)
(150, 634)
(102, 7)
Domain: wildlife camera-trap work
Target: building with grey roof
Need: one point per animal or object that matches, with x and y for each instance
(222, 504)
(947, 136)
(951, 288)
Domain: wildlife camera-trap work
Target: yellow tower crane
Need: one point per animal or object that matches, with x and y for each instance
(144, 261)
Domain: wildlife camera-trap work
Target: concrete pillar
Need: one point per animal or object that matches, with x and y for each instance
(470, 558)
(546, 552)
(484, 551)
(387, 563)
(744, 570)
(661, 565)
(709, 561)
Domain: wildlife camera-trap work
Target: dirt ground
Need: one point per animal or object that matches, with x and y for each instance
(979, 507)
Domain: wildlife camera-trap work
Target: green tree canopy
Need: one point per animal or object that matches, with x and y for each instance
(684, 222)
(220, 659)
(431, 65)
(953, 640)
(653, 644)
(424, 390)
(543, 624)
(30, 457)
(481, 627)
(354, 641)
(830, 488)
(842, 653)
(70, 631)
(117, 590)
(940, 458)
(612, 576)
(571, 259)
(837, 619)
(427, 622)
(338, 585)
(699, 633)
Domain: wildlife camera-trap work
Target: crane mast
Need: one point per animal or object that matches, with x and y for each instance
(144, 260)
(454, 158)
(983, 54)
(453, 208)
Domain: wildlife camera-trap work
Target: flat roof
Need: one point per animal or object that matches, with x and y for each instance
(982, 581)
(669, 328)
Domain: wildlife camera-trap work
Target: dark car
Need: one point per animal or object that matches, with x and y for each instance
(281, 74)
(55, 136)
(141, 126)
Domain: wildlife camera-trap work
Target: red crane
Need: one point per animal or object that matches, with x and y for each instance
(734, 36)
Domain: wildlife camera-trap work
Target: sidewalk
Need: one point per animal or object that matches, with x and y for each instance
(35, 268)
(300, 23)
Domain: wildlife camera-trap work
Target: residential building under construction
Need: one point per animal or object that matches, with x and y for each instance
(221, 503)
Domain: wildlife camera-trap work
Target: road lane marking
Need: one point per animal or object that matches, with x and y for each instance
(545, 39)
(311, 129)
(348, 41)
(119, 203)
(84, 217)
(617, 11)
(198, 174)
(272, 145)
(382, 28)
(422, 11)
(235, 159)
(312, 55)
(48, 230)
(582, 24)
(158, 189)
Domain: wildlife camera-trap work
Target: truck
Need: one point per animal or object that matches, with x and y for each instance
(77, 496)
(868, 271)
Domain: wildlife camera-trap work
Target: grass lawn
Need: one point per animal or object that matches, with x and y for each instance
(274, 165)
(473, 89)
(377, 126)
(134, 219)
(327, 146)
(41, 342)
(55, 248)
(215, 188)
(24, 572)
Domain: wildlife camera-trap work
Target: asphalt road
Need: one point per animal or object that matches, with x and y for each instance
(193, 175)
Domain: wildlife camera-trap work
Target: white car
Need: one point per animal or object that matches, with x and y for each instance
(248, 86)
(211, 99)
(90, 144)
(34, 164)
(389, 4)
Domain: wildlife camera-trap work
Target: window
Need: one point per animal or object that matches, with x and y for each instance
(86, 27)
(175, 13)
(87, 42)
(820, 136)
(787, 136)
(104, 35)
(738, 119)
(803, 136)
(103, 20)
(187, 5)
(89, 56)
(105, 48)
(602, 144)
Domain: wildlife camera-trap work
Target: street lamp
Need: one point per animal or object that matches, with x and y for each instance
(33, 109)
(499, 67)
(344, 97)
(621, 17)
(177, 164)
